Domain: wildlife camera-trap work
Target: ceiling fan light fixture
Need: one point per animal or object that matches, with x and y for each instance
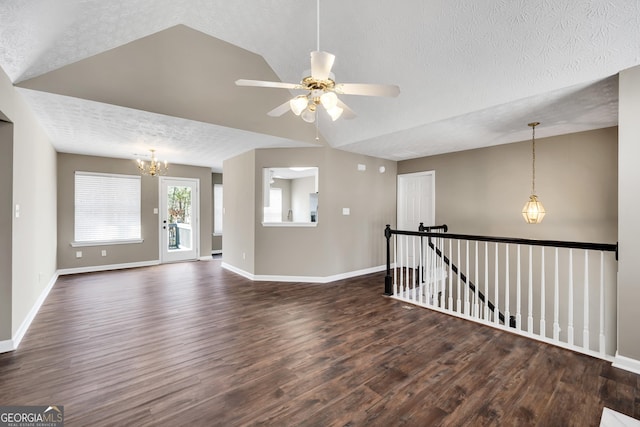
(329, 100)
(335, 112)
(309, 114)
(298, 104)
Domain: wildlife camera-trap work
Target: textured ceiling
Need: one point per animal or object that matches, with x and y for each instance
(471, 74)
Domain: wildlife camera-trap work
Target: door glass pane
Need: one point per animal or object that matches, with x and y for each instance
(179, 218)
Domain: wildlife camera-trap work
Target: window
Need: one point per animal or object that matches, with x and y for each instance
(107, 209)
(217, 209)
(273, 212)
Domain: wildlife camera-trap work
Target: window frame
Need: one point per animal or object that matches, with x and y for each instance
(137, 205)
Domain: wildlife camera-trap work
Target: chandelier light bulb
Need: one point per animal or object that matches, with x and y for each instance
(298, 104)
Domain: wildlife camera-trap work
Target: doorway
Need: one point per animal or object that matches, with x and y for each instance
(415, 204)
(179, 222)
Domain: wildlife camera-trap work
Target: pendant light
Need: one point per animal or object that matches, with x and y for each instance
(533, 212)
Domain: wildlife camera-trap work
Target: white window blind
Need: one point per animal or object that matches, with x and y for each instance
(107, 208)
(273, 213)
(217, 208)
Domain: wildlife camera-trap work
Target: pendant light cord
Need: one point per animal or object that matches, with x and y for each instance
(533, 165)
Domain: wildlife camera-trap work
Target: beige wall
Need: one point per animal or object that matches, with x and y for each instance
(338, 244)
(629, 230)
(216, 241)
(6, 218)
(148, 250)
(240, 215)
(33, 248)
(483, 191)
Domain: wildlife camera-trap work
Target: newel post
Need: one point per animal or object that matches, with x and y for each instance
(388, 285)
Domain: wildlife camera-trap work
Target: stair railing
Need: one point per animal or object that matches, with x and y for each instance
(546, 289)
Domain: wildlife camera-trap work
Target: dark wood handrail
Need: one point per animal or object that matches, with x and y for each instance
(608, 247)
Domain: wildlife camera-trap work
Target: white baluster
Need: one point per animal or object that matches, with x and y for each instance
(530, 294)
(395, 265)
(406, 268)
(496, 309)
(602, 336)
(467, 307)
(458, 301)
(399, 266)
(507, 313)
(556, 301)
(543, 324)
(450, 299)
(414, 277)
(518, 293)
(486, 281)
(476, 312)
(443, 268)
(570, 310)
(585, 331)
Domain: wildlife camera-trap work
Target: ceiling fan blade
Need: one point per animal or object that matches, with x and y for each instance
(367, 89)
(347, 112)
(262, 83)
(321, 63)
(279, 110)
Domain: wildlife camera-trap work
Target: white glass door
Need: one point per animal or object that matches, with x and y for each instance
(179, 219)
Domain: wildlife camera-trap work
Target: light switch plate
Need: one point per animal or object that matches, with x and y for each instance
(346, 211)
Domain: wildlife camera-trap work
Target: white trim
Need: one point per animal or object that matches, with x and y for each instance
(216, 251)
(289, 224)
(106, 243)
(12, 344)
(205, 258)
(305, 279)
(94, 268)
(626, 363)
(611, 418)
(6, 346)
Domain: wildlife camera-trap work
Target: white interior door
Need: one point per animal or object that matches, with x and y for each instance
(416, 204)
(179, 222)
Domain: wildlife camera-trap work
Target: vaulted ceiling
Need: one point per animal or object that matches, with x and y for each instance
(115, 78)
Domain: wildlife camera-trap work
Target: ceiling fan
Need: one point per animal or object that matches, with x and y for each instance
(321, 87)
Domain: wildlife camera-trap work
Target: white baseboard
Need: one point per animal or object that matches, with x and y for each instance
(14, 342)
(626, 363)
(216, 252)
(108, 267)
(305, 279)
(6, 346)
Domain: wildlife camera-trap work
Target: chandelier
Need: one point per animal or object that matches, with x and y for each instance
(533, 211)
(154, 167)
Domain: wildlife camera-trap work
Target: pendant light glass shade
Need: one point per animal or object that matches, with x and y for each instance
(335, 113)
(309, 115)
(533, 211)
(298, 104)
(329, 100)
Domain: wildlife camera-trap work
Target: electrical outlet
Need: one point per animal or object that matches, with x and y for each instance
(104, 252)
(244, 255)
(78, 254)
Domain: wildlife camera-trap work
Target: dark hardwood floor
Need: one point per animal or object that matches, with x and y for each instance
(192, 344)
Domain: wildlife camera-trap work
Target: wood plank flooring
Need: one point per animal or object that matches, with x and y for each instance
(192, 344)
